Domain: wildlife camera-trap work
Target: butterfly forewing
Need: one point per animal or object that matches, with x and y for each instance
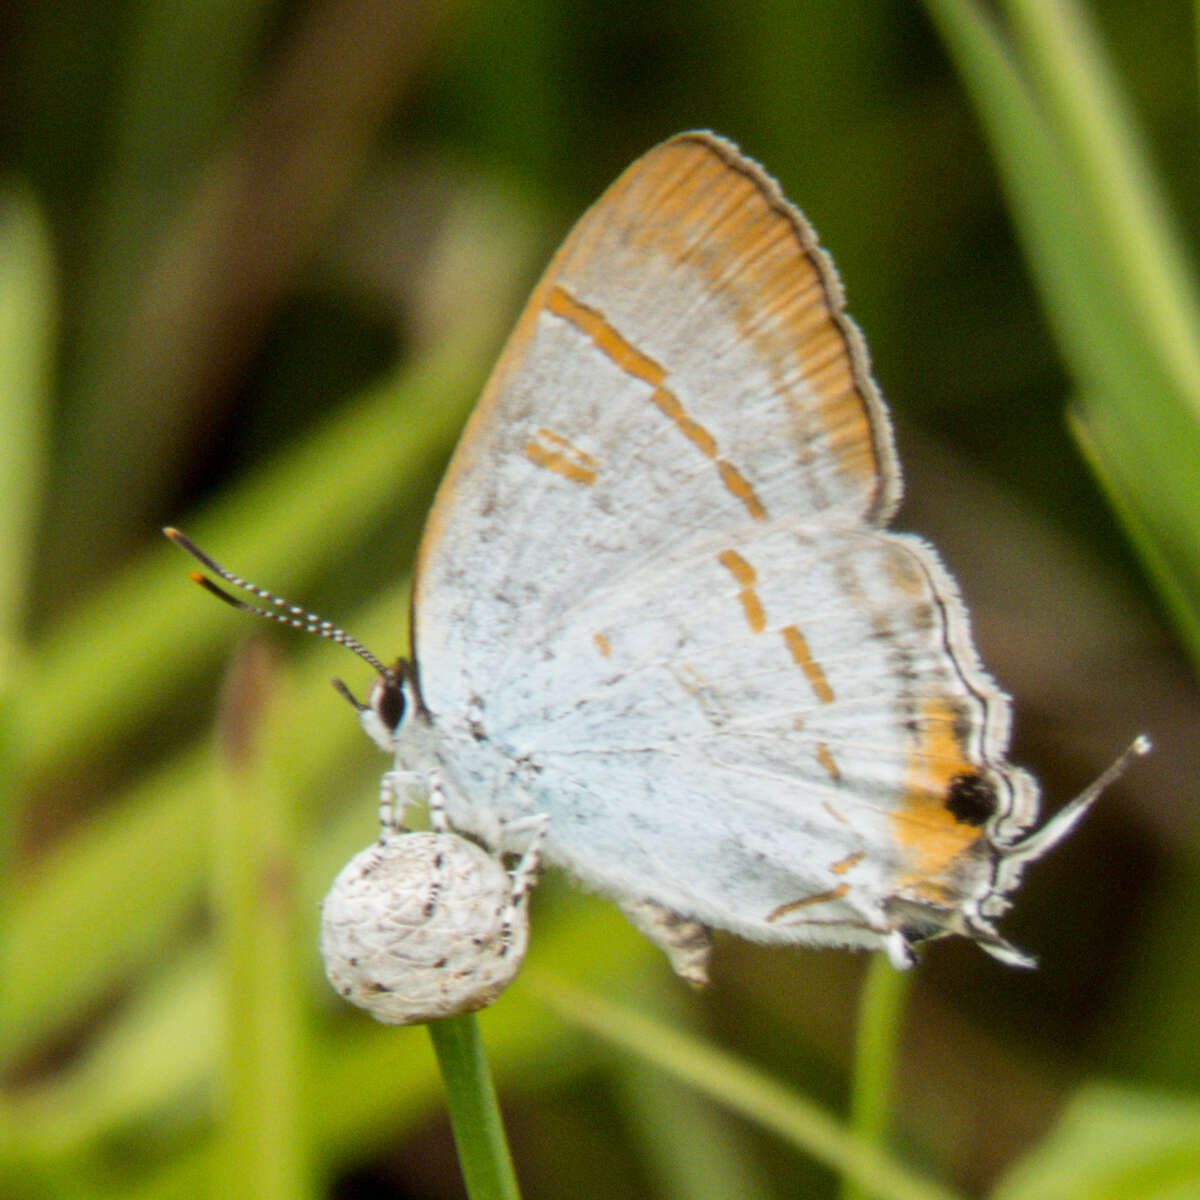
(683, 365)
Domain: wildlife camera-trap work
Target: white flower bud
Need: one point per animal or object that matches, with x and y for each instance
(424, 925)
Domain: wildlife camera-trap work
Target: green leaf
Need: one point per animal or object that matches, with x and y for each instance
(28, 321)
(790, 1116)
(1109, 263)
(1114, 1143)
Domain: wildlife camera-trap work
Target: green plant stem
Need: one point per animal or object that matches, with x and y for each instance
(28, 324)
(1196, 36)
(884, 993)
(261, 1153)
(739, 1087)
(474, 1113)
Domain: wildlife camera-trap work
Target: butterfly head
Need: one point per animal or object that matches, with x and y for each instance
(392, 695)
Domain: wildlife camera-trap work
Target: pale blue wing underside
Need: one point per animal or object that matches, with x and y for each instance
(655, 600)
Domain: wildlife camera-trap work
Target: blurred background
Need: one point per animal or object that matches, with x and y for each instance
(255, 261)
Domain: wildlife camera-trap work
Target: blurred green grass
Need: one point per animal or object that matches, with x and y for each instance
(255, 262)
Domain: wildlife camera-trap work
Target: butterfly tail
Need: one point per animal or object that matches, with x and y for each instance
(1043, 840)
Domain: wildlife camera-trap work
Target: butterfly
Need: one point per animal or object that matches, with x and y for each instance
(658, 616)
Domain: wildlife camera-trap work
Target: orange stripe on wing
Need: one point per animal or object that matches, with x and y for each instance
(620, 350)
(740, 486)
(746, 576)
(798, 647)
(820, 898)
(669, 404)
(559, 463)
(843, 865)
(612, 343)
(826, 759)
(557, 439)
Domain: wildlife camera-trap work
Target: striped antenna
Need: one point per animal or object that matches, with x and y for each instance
(283, 611)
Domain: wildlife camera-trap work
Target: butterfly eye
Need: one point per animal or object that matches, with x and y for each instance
(388, 701)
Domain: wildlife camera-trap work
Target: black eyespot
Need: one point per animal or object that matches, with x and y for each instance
(388, 701)
(971, 799)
